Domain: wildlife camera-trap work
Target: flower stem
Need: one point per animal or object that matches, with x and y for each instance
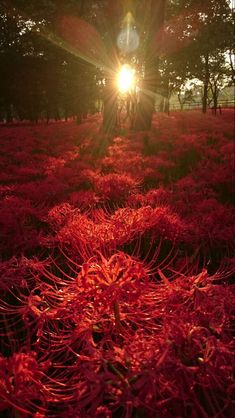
(117, 315)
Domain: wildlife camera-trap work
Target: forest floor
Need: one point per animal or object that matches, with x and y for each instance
(117, 258)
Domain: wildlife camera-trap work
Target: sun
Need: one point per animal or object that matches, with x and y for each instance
(125, 79)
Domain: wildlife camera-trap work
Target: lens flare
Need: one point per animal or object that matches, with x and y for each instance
(126, 79)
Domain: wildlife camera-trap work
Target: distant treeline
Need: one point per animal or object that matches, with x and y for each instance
(38, 87)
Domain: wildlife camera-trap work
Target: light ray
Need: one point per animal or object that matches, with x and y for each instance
(61, 43)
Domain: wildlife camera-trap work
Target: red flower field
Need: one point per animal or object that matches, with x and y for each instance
(117, 260)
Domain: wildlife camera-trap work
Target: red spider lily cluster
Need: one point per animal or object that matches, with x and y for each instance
(116, 269)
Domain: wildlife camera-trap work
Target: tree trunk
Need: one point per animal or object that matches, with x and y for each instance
(206, 84)
(9, 117)
(114, 14)
(167, 105)
(110, 108)
(231, 61)
(57, 114)
(147, 98)
(167, 98)
(181, 102)
(215, 93)
(79, 119)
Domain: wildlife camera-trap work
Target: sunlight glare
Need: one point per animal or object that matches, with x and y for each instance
(126, 79)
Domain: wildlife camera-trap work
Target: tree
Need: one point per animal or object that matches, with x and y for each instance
(211, 40)
(13, 30)
(185, 95)
(154, 12)
(148, 17)
(42, 73)
(174, 73)
(195, 31)
(219, 77)
(112, 16)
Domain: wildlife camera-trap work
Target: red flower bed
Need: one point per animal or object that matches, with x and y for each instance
(116, 267)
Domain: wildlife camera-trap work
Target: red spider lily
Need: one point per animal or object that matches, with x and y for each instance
(17, 218)
(112, 337)
(154, 198)
(48, 190)
(84, 199)
(122, 158)
(76, 231)
(115, 187)
(59, 215)
(99, 332)
(160, 222)
(21, 382)
(18, 271)
(216, 226)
